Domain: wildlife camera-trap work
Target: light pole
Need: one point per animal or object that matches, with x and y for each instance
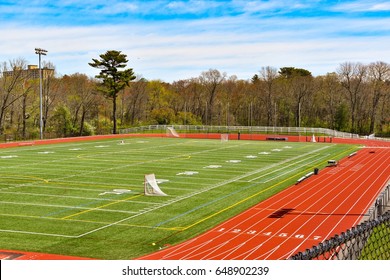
(40, 52)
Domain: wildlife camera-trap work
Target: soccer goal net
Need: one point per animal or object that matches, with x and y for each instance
(171, 132)
(150, 186)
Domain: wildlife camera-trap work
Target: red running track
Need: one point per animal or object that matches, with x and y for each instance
(297, 218)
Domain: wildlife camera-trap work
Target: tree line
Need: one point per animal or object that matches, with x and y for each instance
(355, 98)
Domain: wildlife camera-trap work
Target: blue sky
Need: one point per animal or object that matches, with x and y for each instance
(173, 40)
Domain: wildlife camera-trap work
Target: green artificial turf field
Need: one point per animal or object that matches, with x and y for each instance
(86, 198)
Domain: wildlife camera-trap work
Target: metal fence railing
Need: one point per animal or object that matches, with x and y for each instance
(242, 129)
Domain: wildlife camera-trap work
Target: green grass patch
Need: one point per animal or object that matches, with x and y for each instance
(377, 246)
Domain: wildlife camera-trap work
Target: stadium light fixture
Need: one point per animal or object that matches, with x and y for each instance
(40, 52)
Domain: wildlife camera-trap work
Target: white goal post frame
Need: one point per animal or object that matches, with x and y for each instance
(151, 187)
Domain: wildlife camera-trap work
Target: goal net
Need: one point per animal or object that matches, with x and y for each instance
(150, 186)
(224, 137)
(171, 132)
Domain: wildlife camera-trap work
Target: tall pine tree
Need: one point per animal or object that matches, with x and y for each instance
(113, 79)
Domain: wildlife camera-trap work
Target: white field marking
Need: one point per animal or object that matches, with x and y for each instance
(213, 166)
(78, 197)
(108, 169)
(7, 157)
(318, 159)
(144, 162)
(288, 160)
(251, 156)
(161, 181)
(81, 189)
(188, 173)
(158, 206)
(72, 158)
(179, 198)
(64, 206)
(88, 186)
(127, 165)
(116, 192)
(38, 233)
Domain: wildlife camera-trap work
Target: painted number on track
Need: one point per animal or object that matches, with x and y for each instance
(269, 233)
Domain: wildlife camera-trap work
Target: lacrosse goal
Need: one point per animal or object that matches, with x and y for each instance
(171, 132)
(150, 186)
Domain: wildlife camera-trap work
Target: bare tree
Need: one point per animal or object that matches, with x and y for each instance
(352, 77)
(80, 98)
(379, 76)
(329, 91)
(135, 100)
(11, 87)
(211, 80)
(268, 76)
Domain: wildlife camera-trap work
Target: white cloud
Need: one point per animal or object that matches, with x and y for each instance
(362, 6)
(192, 6)
(180, 48)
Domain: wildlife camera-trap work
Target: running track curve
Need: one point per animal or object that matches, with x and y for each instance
(297, 218)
